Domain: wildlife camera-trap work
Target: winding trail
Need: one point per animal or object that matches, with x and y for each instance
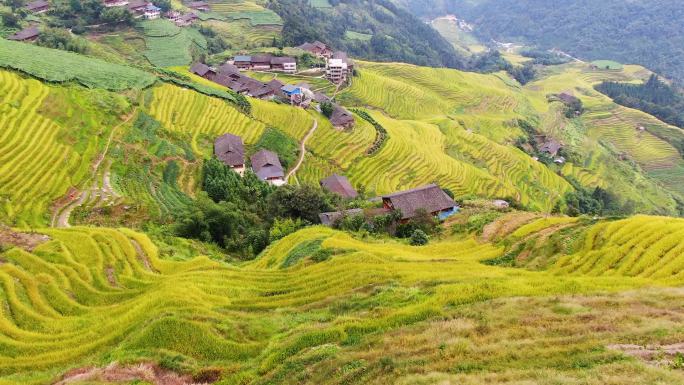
(302, 150)
(60, 216)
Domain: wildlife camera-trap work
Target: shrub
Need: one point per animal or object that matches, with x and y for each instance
(327, 109)
(419, 238)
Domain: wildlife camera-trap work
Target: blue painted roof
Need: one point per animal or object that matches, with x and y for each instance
(291, 90)
(242, 58)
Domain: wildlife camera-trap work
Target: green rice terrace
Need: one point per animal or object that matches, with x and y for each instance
(130, 254)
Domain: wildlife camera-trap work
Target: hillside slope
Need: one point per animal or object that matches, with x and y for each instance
(325, 300)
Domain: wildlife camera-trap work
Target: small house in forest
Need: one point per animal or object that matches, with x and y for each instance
(431, 198)
(267, 167)
(339, 185)
(230, 150)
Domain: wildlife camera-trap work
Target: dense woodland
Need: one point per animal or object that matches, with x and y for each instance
(640, 32)
(653, 97)
(397, 35)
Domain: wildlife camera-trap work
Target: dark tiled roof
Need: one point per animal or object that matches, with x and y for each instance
(282, 60)
(24, 34)
(320, 45)
(227, 69)
(230, 150)
(551, 146)
(137, 5)
(37, 5)
(200, 69)
(430, 198)
(339, 185)
(329, 219)
(267, 165)
(275, 85)
(321, 97)
(262, 59)
(341, 117)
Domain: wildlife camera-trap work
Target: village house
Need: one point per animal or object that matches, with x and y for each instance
(317, 49)
(329, 219)
(115, 3)
(267, 167)
(38, 7)
(203, 70)
(230, 150)
(549, 146)
(186, 20)
(276, 85)
(339, 185)
(431, 199)
(261, 62)
(151, 12)
(137, 8)
(341, 118)
(243, 62)
(284, 64)
(201, 6)
(336, 71)
(27, 34)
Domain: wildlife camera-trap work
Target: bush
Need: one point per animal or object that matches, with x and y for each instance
(419, 238)
(327, 109)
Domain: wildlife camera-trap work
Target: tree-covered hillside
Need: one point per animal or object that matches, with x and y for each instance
(646, 32)
(375, 30)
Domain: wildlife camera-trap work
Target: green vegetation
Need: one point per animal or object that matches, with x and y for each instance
(455, 311)
(58, 66)
(168, 45)
(653, 97)
(285, 146)
(607, 65)
(629, 32)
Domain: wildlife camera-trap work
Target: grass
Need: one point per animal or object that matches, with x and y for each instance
(368, 312)
(608, 64)
(60, 66)
(168, 45)
(351, 35)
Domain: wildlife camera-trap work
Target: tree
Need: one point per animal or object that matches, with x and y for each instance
(305, 202)
(116, 15)
(164, 5)
(419, 238)
(327, 109)
(10, 20)
(61, 39)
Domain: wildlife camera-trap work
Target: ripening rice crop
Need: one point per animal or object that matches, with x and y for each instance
(37, 164)
(180, 109)
(90, 296)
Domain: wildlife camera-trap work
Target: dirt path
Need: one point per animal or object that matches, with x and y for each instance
(61, 214)
(302, 150)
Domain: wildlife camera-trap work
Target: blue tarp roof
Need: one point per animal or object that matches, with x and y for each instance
(291, 90)
(242, 58)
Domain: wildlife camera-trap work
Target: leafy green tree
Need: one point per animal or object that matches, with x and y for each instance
(61, 39)
(327, 109)
(10, 20)
(419, 238)
(305, 202)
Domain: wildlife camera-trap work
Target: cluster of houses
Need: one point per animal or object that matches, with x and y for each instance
(229, 76)
(138, 8)
(265, 164)
(338, 66)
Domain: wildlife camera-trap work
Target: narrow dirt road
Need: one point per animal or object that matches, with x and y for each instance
(302, 150)
(60, 216)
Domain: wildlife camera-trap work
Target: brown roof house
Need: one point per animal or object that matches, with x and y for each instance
(284, 64)
(230, 150)
(550, 147)
(261, 62)
(317, 48)
(341, 118)
(339, 185)
(203, 70)
(430, 198)
(27, 34)
(267, 167)
(39, 6)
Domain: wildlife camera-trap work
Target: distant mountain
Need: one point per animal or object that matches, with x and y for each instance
(376, 30)
(647, 32)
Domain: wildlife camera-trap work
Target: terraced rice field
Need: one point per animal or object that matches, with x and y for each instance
(182, 110)
(37, 166)
(168, 45)
(108, 295)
